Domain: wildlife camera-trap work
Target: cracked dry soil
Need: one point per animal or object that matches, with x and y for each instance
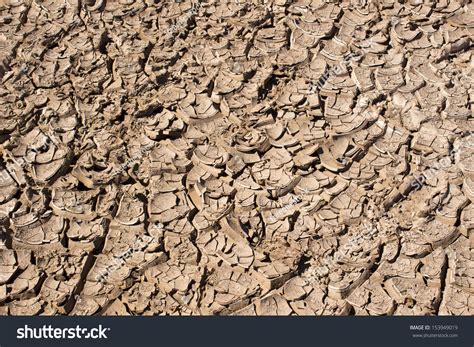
(162, 157)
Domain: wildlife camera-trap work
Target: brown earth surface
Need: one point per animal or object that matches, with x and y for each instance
(238, 157)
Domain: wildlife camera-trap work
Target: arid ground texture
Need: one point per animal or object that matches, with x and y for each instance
(214, 157)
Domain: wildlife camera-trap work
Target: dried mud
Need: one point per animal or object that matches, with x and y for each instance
(236, 158)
